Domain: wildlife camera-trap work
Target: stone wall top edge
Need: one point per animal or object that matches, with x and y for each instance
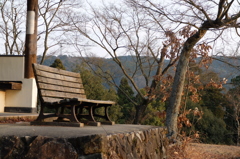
(12, 55)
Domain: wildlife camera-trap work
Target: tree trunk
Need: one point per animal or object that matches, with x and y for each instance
(140, 109)
(178, 84)
(238, 132)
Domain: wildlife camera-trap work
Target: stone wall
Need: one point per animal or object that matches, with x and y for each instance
(147, 144)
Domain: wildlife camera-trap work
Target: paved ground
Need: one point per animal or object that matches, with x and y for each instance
(66, 132)
(17, 114)
(24, 129)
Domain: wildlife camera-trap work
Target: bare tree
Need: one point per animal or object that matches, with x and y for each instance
(131, 30)
(53, 21)
(12, 26)
(52, 24)
(204, 16)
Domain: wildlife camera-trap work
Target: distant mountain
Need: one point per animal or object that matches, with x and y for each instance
(225, 67)
(68, 61)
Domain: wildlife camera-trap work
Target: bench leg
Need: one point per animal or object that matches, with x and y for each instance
(41, 115)
(73, 117)
(60, 110)
(90, 114)
(105, 116)
(106, 113)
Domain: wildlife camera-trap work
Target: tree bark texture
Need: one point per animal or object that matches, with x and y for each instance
(140, 109)
(238, 133)
(178, 84)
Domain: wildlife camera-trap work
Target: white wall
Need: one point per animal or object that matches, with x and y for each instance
(12, 69)
(26, 97)
(2, 100)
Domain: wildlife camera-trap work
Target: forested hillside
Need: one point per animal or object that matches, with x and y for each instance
(225, 67)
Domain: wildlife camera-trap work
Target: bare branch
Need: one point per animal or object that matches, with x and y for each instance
(201, 9)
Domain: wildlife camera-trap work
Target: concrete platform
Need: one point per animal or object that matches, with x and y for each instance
(25, 129)
(106, 141)
(6, 114)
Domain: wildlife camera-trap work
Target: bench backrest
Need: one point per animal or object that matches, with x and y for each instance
(56, 84)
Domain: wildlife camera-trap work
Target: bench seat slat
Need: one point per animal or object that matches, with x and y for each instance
(81, 100)
(58, 100)
(60, 83)
(56, 71)
(49, 99)
(44, 86)
(48, 93)
(96, 101)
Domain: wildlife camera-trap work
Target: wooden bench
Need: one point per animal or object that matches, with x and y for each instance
(60, 90)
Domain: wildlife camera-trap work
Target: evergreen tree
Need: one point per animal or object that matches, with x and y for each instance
(214, 100)
(214, 124)
(115, 112)
(58, 64)
(152, 114)
(233, 111)
(127, 107)
(236, 81)
(92, 84)
(211, 125)
(94, 89)
(212, 129)
(211, 96)
(124, 89)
